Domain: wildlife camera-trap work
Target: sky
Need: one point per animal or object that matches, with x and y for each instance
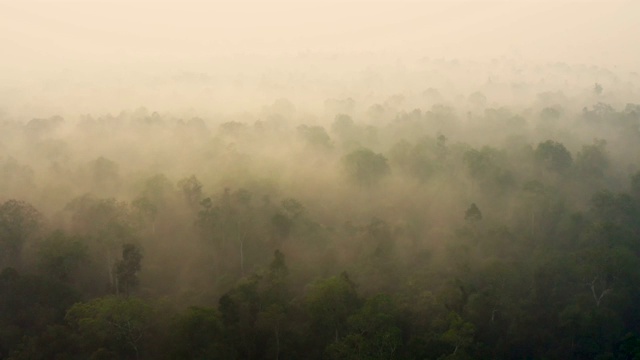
(77, 57)
(86, 33)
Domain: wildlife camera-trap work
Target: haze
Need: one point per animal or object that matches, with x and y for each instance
(319, 180)
(84, 45)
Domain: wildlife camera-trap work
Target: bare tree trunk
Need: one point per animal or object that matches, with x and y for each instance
(117, 286)
(112, 278)
(277, 343)
(242, 256)
(533, 222)
(598, 299)
(241, 238)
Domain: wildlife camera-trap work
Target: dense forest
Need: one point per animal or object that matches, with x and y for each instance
(420, 226)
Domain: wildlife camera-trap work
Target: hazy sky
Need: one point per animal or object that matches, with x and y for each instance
(87, 33)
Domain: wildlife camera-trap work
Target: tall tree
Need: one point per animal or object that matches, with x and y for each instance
(60, 256)
(192, 190)
(330, 303)
(108, 223)
(364, 167)
(374, 332)
(127, 269)
(19, 221)
(111, 327)
(553, 156)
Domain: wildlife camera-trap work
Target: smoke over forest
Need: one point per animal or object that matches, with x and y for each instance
(358, 180)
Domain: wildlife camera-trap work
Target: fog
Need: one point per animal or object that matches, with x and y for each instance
(335, 180)
(79, 57)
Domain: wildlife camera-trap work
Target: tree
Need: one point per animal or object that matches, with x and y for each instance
(145, 211)
(424, 158)
(550, 114)
(400, 155)
(292, 207)
(274, 295)
(343, 126)
(364, 167)
(477, 100)
(271, 319)
(192, 190)
(28, 305)
(19, 221)
(635, 185)
(198, 333)
(113, 326)
(107, 223)
(59, 255)
(374, 332)
(542, 208)
(104, 174)
(127, 269)
(276, 280)
(15, 178)
(254, 312)
(486, 169)
(593, 160)
(473, 214)
(239, 216)
(239, 309)
(601, 113)
(40, 127)
(315, 136)
(158, 189)
(281, 226)
(597, 89)
(330, 303)
(553, 156)
(459, 334)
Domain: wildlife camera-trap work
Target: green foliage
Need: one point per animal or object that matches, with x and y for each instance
(550, 114)
(158, 189)
(315, 136)
(282, 225)
(144, 210)
(593, 160)
(459, 335)
(473, 214)
(106, 221)
(18, 222)
(485, 168)
(553, 156)
(330, 303)
(198, 333)
(127, 269)
(60, 256)
(105, 174)
(597, 89)
(547, 269)
(111, 325)
(239, 309)
(635, 185)
(192, 190)
(365, 168)
(107, 224)
(343, 125)
(373, 332)
(28, 305)
(422, 160)
(293, 207)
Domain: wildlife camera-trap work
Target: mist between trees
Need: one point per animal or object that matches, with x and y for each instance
(419, 225)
